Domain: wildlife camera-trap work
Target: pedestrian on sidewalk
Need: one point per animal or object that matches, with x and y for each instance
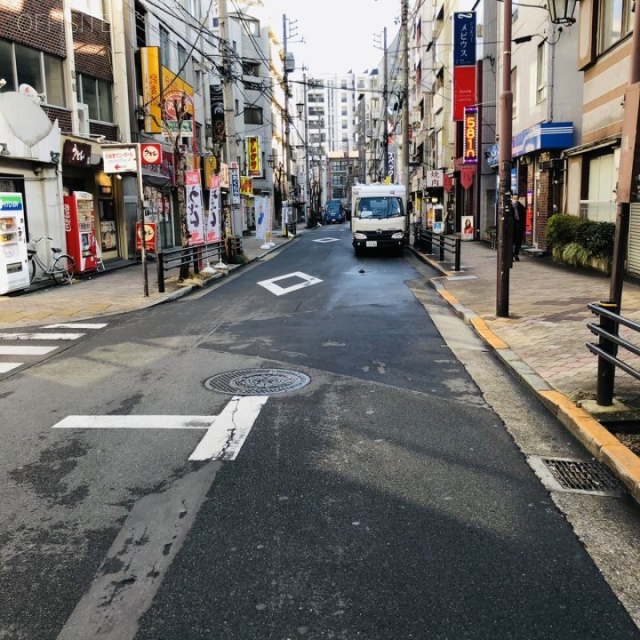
(518, 226)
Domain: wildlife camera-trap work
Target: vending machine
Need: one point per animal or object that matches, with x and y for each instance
(14, 260)
(79, 226)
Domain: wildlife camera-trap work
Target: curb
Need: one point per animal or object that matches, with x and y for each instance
(600, 442)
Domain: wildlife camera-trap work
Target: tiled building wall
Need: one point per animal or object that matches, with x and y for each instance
(35, 23)
(92, 46)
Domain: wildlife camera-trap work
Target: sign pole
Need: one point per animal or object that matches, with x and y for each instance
(141, 217)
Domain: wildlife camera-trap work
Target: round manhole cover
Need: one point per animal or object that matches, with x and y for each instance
(257, 382)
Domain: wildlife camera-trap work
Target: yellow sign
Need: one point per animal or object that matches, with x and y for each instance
(246, 186)
(210, 166)
(151, 89)
(175, 91)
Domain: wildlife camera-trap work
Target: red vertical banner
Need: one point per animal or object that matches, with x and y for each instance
(464, 90)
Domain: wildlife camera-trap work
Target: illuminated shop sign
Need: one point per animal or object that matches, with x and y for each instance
(470, 155)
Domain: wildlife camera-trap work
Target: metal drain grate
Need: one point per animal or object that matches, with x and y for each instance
(257, 382)
(577, 476)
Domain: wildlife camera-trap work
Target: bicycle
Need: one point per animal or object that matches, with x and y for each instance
(61, 268)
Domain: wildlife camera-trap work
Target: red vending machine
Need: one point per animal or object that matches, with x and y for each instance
(79, 225)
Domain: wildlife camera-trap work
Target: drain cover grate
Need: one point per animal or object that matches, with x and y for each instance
(257, 382)
(574, 475)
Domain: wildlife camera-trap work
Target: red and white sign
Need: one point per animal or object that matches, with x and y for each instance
(151, 153)
(149, 236)
(120, 159)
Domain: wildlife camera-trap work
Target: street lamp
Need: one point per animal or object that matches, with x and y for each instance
(560, 12)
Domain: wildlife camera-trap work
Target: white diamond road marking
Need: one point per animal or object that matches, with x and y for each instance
(271, 285)
(25, 351)
(225, 433)
(77, 325)
(322, 240)
(5, 367)
(41, 336)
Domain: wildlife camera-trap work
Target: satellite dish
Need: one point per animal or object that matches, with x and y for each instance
(30, 92)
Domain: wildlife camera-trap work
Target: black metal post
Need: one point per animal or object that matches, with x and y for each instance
(160, 257)
(606, 369)
(457, 256)
(441, 248)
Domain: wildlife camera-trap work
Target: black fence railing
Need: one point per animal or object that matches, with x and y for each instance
(606, 349)
(438, 244)
(196, 257)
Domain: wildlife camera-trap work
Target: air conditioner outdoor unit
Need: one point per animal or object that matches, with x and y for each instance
(83, 119)
(550, 165)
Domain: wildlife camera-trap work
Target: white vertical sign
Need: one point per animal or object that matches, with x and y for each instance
(195, 214)
(262, 216)
(213, 226)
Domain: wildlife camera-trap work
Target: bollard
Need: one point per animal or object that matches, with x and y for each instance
(606, 369)
(441, 248)
(457, 254)
(160, 256)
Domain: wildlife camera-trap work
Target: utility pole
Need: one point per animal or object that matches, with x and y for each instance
(505, 218)
(629, 174)
(231, 144)
(305, 108)
(404, 43)
(385, 106)
(286, 155)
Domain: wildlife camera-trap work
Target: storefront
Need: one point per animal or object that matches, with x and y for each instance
(29, 157)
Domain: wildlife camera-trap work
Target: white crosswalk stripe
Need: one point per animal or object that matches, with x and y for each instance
(41, 336)
(77, 325)
(25, 351)
(13, 355)
(5, 367)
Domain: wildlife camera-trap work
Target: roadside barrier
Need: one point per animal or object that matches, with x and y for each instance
(607, 348)
(427, 240)
(197, 256)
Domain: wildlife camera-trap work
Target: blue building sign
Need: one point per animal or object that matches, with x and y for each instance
(464, 39)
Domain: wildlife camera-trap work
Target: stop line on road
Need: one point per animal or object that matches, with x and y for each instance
(225, 433)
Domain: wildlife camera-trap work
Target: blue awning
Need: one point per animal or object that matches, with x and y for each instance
(547, 135)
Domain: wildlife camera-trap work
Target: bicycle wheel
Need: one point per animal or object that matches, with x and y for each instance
(32, 270)
(63, 269)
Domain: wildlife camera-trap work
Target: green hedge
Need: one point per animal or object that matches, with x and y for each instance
(595, 238)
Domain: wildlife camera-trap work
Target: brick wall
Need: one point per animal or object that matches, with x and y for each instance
(34, 23)
(110, 132)
(63, 116)
(92, 46)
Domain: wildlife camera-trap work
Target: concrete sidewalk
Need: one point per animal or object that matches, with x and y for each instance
(105, 293)
(542, 342)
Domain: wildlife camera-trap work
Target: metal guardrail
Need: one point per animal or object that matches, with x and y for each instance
(211, 252)
(607, 348)
(426, 239)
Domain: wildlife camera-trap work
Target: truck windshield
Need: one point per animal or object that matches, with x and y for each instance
(380, 207)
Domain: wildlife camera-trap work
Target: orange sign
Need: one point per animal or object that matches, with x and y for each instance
(149, 237)
(254, 156)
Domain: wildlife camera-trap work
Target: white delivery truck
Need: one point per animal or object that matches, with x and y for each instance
(379, 217)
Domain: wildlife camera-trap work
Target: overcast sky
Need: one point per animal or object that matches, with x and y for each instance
(339, 35)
